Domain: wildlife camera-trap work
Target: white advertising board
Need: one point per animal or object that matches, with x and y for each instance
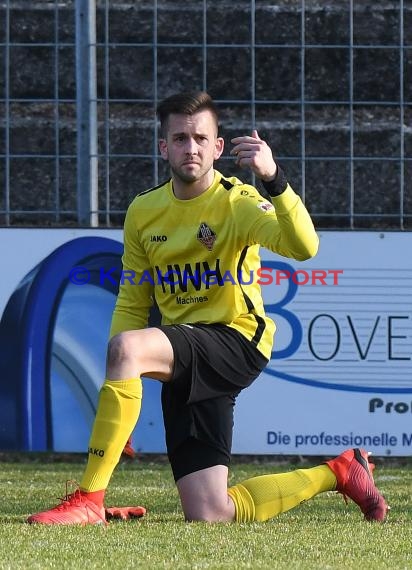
(344, 376)
(341, 372)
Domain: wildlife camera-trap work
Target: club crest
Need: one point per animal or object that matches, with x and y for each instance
(206, 236)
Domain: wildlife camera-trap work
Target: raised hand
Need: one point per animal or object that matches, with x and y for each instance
(254, 153)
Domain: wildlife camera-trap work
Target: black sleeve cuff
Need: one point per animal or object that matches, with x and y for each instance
(276, 186)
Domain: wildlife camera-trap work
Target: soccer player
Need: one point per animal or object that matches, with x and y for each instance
(192, 245)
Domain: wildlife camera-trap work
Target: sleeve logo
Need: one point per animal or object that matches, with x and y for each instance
(265, 206)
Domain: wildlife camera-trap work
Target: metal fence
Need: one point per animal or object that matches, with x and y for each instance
(328, 83)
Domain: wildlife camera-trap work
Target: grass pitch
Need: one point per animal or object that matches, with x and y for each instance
(323, 533)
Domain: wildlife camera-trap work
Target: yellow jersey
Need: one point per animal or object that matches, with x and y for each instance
(199, 258)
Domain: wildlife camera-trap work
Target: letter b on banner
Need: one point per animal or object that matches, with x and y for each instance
(279, 309)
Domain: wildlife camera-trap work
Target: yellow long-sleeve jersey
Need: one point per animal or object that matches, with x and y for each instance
(199, 258)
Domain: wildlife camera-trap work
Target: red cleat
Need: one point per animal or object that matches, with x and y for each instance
(74, 508)
(354, 480)
(128, 450)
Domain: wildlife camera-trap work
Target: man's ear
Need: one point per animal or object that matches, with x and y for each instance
(219, 146)
(163, 149)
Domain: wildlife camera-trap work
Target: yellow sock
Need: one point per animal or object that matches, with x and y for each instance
(264, 497)
(117, 413)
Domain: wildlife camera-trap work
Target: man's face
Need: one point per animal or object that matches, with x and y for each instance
(191, 145)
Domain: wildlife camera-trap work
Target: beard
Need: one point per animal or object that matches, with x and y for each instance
(188, 176)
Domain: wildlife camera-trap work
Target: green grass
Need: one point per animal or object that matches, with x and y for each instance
(321, 533)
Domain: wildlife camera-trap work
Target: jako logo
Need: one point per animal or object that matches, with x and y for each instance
(158, 238)
(94, 451)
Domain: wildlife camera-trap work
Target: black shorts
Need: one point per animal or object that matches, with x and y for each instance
(212, 364)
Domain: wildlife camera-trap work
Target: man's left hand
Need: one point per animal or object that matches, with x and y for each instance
(254, 153)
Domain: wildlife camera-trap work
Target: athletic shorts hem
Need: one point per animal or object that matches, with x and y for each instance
(194, 455)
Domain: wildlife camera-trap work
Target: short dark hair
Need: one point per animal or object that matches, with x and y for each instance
(185, 103)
